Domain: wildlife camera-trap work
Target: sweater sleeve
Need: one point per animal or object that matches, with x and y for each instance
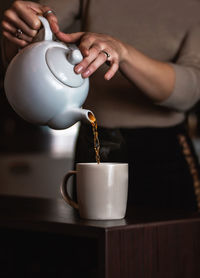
(66, 11)
(186, 91)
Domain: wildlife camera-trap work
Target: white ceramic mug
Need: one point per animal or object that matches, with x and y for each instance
(102, 190)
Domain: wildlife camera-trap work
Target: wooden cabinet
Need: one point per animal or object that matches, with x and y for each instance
(46, 238)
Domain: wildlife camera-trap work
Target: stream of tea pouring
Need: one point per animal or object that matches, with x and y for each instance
(93, 122)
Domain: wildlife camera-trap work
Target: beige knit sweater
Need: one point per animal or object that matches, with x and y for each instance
(166, 30)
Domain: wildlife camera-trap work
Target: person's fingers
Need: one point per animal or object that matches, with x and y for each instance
(100, 60)
(87, 43)
(7, 26)
(69, 38)
(106, 52)
(19, 42)
(50, 15)
(14, 31)
(93, 54)
(21, 23)
(12, 18)
(112, 70)
(23, 12)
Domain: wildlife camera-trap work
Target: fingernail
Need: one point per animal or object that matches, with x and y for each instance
(78, 69)
(107, 77)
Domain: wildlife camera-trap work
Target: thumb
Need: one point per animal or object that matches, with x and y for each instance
(54, 26)
(52, 19)
(73, 37)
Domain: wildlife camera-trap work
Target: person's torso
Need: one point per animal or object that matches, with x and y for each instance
(156, 28)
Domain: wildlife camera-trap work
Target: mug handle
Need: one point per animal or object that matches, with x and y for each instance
(64, 192)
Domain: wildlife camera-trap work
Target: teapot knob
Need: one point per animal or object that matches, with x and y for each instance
(74, 56)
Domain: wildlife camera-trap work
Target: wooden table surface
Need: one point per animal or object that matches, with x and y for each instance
(147, 243)
(40, 214)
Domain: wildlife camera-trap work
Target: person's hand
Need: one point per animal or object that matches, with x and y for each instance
(20, 22)
(96, 49)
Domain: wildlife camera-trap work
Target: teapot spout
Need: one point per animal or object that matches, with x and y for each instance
(70, 117)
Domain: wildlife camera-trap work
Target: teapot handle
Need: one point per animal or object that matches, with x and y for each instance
(47, 33)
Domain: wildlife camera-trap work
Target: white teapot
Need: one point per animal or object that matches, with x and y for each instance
(41, 85)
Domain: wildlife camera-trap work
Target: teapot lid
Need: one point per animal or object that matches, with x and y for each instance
(62, 69)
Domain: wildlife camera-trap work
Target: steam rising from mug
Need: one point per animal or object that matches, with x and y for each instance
(41, 85)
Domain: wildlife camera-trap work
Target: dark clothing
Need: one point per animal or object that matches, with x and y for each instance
(163, 167)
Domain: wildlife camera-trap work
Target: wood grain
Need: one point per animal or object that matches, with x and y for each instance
(46, 238)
